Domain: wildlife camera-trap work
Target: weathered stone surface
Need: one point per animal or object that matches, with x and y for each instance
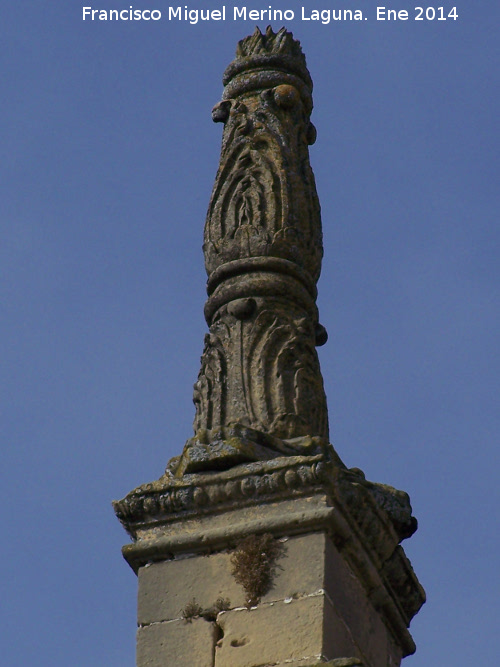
(310, 570)
(165, 588)
(226, 447)
(179, 643)
(353, 604)
(273, 633)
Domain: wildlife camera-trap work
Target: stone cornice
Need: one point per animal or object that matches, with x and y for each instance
(172, 499)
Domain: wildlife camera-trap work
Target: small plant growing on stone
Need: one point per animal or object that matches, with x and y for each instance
(254, 565)
(191, 610)
(221, 604)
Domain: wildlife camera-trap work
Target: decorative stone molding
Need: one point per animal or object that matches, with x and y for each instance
(173, 499)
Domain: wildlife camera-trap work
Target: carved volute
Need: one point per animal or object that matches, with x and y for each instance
(260, 392)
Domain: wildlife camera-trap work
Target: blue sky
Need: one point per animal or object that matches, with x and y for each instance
(109, 156)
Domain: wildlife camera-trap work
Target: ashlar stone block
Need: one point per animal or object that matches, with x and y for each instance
(314, 598)
(355, 607)
(181, 643)
(165, 588)
(288, 632)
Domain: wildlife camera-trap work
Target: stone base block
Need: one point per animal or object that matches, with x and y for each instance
(315, 610)
(166, 588)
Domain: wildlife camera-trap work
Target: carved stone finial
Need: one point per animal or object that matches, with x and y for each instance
(260, 393)
(259, 471)
(270, 43)
(274, 53)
